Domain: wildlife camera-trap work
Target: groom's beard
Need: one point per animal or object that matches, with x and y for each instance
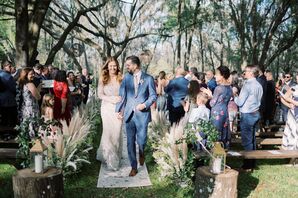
(130, 71)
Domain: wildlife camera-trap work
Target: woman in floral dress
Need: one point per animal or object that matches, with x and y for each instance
(219, 104)
(30, 94)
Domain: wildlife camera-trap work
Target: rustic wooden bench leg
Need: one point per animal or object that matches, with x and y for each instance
(293, 161)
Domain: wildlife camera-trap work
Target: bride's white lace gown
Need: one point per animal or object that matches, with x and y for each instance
(110, 148)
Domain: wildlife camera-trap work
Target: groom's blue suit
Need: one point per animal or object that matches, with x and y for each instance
(136, 122)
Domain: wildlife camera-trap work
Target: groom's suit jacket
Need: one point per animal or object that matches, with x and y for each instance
(146, 94)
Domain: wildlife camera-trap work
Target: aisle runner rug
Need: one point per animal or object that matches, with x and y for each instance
(120, 178)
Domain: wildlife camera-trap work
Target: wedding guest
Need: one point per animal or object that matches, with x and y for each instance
(8, 105)
(200, 77)
(37, 74)
(86, 82)
(176, 90)
(270, 104)
(161, 98)
(61, 97)
(263, 81)
(189, 101)
(45, 74)
(249, 102)
(290, 99)
(110, 148)
(233, 110)
(201, 111)
(219, 103)
(75, 90)
(47, 107)
(30, 94)
(211, 82)
(191, 73)
(288, 84)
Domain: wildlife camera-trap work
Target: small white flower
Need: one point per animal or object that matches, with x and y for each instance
(141, 81)
(209, 189)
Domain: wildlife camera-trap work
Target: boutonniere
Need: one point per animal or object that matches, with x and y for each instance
(141, 81)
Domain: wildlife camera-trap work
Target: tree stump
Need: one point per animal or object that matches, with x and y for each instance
(27, 183)
(222, 185)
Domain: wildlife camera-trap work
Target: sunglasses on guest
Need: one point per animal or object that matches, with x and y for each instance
(287, 76)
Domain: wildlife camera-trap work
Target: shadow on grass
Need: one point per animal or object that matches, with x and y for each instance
(246, 184)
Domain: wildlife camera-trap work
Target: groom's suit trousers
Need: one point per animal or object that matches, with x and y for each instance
(136, 131)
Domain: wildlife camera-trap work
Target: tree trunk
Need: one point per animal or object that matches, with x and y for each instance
(209, 185)
(35, 22)
(21, 12)
(29, 184)
(185, 64)
(202, 52)
(179, 17)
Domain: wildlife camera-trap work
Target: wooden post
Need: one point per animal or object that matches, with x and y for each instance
(222, 185)
(26, 184)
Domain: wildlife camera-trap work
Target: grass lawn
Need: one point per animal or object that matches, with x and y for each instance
(271, 179)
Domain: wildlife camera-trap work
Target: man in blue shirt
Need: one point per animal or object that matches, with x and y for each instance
(249, 102)
(177, 90)
(211, 82)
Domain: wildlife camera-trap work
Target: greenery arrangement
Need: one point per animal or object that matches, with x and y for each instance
(68, 145)
(171, 151)
(29, 130)
(192, 133)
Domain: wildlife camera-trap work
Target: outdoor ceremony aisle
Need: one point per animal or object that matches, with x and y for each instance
(120, 178)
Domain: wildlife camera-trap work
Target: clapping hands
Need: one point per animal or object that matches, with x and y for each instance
(207, 91)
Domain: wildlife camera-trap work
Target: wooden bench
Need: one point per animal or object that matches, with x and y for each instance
(274, 128)
(257, 154)
(261, 141)
(8, 153)
(5, 129)
(270, 134)
(264, 154)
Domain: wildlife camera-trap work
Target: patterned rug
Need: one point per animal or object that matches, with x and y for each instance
(120, 178)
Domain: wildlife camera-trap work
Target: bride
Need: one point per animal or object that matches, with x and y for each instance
(110, 149)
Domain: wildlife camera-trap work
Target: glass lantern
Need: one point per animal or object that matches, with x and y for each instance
(38, 157)
(218, 162)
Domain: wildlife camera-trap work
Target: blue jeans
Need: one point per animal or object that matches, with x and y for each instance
(136, 131)
(248, 123)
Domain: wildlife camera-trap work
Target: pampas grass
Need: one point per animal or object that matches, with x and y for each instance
(173, 158)
(158, 128)
(72, 145)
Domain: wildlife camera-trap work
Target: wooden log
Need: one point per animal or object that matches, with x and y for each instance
(222, 185)
(27, 184)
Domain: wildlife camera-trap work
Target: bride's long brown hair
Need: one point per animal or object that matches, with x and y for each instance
(104, 76)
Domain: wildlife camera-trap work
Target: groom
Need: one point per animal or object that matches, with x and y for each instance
(138, 92)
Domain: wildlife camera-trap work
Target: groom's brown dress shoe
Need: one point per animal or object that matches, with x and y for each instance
(141, 159)
(133, 172)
